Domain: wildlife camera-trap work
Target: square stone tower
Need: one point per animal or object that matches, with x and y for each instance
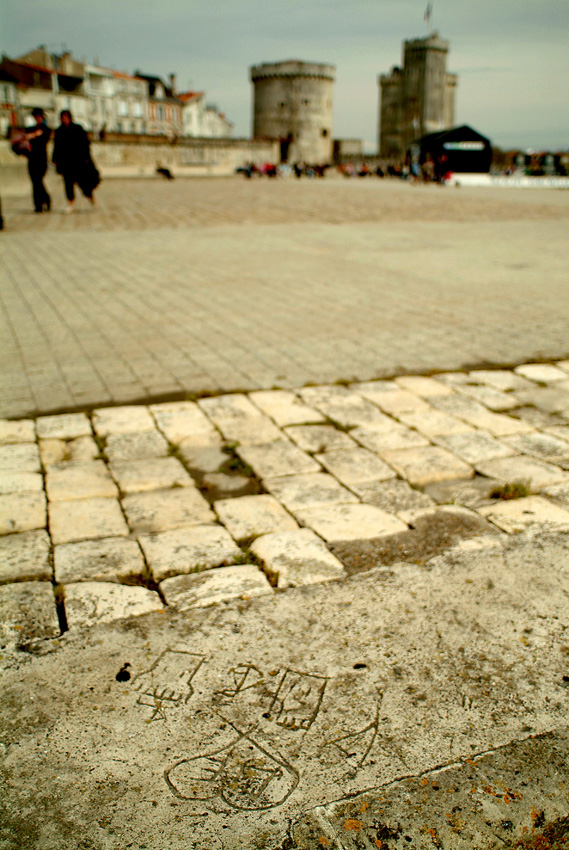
(417, 98)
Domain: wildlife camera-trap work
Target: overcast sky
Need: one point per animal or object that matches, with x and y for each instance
(512, 56)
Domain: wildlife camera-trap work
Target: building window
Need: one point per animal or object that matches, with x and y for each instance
(324, 132)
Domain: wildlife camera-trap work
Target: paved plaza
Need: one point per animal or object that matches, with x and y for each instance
(170, 290)
(284, 518)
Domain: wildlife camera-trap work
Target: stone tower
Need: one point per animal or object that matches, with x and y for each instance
(417, 98)
(293, 104)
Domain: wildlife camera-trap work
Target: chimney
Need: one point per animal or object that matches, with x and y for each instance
(172, 78)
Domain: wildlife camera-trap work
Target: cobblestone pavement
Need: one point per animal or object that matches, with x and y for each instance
(170, 290)
(187, 504)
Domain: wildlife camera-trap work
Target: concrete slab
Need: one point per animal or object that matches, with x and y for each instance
(109, 560)
(63, 426)
(355, 466)
(89, 603)
(122, 420)
(350, 522)
(188, 550)
(29, 615)
(140, 476)
(22, 512)
(516, 515)
(285, 407)
(19, 457)
(277, 458)
(125, 447)
(162, 510)
(212, 587)
(160, 708)
(72, 481)
(319, 438)
(297, 558)
(17, 431)
(426, 465)
(309, 490)
(537, 474)
(247, 517)
(25, 557)
(86, 519)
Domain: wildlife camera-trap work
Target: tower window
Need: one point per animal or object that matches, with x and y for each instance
(324, 132)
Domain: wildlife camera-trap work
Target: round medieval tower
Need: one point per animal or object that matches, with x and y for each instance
(293, 104)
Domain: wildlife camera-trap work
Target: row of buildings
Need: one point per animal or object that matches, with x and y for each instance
(103, 100)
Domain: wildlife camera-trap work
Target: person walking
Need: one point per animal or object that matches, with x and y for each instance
(72, 159)
(37, 140)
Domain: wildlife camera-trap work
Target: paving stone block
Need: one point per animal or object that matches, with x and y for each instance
(92, 602)
(65, 426)
(489, 396)
(553, 399)
(563, 364)
(350, 522)
(296, 558)
(424, 465)
(280, 457)
(319, 438)
(139, 476)
(537, 474)
(381, 440)
(182, 420)
(188, 550)
(517, 514)
(542, 446)
(19, 457)
(474, 446)
(355, 466)
(203, 459)
(20, 482)
(393, 497)
(476, 414)
(249, 431)
(231, 406)
(425, 387)
(431, 422)
(453, 379)
(86, 519)
(28, 613)
(345, 406)
(122, 420)
(18, 431)
(390, 397)
(308, 490)
(114, 559)
(124, 447)
(221, 485)
(285, 407)
(500, 379)
(162, 510)
(25, 557)
(22, 512)
(543, 373)
(559, 492)
(251, 516)
(470, 492)
(214, 586)
(559, 431)
(79, 481)
(55, 451)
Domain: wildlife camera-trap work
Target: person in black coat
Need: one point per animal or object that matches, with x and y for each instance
(37, 139)
(72, 159)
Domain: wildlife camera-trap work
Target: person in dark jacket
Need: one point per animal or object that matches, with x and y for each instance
(38, 138)
(72, 159)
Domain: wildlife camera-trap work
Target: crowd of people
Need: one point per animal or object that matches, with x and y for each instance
(71, 159)
(414, 171)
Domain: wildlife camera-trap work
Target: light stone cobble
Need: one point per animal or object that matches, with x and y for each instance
(364, 436)
(90, 603)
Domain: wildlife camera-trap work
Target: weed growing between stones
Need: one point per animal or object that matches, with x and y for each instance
(511, 490)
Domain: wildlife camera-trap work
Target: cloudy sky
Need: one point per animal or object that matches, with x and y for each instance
(512, 56)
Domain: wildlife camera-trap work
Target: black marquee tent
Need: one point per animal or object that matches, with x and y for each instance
(460, 149)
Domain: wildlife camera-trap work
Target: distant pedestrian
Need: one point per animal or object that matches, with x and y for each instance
(72, 159)
(37, 139)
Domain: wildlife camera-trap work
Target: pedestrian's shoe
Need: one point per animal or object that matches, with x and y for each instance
(47, 205)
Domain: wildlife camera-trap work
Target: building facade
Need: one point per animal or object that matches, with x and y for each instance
(417, 98)
(293, 105)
